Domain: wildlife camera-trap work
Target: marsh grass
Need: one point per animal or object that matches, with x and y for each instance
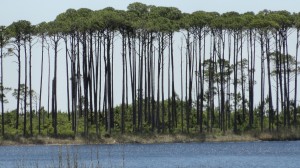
(66, 158)
(281, 135)
(148, 138)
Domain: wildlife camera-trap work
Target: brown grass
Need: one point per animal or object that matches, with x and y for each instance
(156, 138)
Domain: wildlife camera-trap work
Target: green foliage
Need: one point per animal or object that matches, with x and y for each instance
(3, 95)
(65, 126)
(20, 29)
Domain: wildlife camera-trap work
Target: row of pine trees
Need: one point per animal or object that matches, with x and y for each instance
(221, 57)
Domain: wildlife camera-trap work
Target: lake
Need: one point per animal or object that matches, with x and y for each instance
(207, 155)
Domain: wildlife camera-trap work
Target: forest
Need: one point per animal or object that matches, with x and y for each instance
(238, 72)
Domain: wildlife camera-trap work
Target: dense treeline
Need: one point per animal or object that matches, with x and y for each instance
(220, 57)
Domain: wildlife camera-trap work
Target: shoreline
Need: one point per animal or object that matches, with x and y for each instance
(148, 139)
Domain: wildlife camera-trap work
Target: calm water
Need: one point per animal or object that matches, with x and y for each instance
(241, 155)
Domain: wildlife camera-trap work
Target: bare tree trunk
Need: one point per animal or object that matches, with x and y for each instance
(74, 83)
(174, 112)
(19, 82)
(189, 106)
(228, 83)
(271, 111)
(67, 80)
(288, 80)
(235, 58)
(262, 87)
(85, 83)
(41, 86)
(49, 83)
(242, 78)
(152, 73)
(2, 87)
(131, 47)
(181, 84)
(251, 76)
(54, 91)
(222, 75)
(109, 86)
(277, 82)
(202, 84)
(169, 95)
(25, 93)
(296, 80)
(158, 88)
(123, 84)
(162, 82)
(30, 88)
(140, 84)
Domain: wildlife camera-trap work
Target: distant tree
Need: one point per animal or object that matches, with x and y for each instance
(24, 91)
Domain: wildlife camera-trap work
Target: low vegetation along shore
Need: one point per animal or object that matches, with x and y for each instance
(65, 135)
(153, 138)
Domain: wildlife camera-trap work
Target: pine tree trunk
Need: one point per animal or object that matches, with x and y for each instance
(296, 81)
(2, 87)
(41, 86)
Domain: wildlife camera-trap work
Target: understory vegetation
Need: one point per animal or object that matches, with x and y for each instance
(64, 128)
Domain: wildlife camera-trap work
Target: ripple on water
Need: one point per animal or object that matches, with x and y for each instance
(210, 155)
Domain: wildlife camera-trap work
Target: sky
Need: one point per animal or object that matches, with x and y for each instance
(37, 11)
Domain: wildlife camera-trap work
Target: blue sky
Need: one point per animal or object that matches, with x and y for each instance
(37, 11)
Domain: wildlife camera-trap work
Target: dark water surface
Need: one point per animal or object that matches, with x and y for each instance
(229, 155)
